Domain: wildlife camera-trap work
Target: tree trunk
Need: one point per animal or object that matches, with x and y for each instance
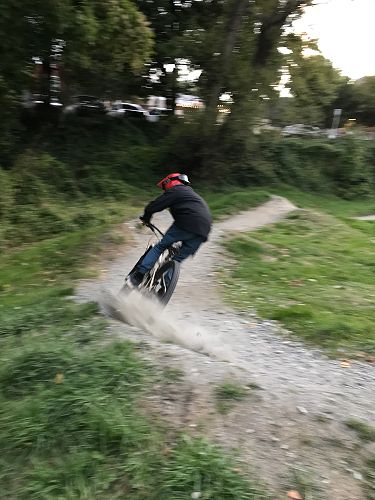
(235, 23)
(271, 28)
(174, 87)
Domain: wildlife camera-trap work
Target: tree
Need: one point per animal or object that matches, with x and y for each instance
(178, 26)
(247, 50)
(106, 44)
(314, 82)
(232, 42)
(357, 100)
(104, 41)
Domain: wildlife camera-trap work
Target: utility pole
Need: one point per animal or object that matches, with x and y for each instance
(335, 123)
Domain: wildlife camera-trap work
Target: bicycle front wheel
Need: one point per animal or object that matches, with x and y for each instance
(165, 281)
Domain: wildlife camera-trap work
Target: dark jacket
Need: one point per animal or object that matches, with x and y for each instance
(188, 209)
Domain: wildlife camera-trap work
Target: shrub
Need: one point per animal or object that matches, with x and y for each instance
(39, 175)
(7, 194)
(343, 167)
(30, 223)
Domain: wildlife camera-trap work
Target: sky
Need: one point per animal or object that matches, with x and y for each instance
(345, 32)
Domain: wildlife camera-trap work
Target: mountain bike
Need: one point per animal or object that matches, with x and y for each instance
(161, 280)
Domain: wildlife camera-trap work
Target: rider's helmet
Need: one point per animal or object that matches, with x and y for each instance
(173, 180)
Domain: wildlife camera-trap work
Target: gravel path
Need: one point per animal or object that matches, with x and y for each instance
(296, 420)
(366, 217)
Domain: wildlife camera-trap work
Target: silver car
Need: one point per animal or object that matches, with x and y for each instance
(120, 109)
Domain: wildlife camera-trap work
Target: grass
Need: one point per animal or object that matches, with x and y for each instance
(365, 432)
(231, 391)
(227, 393)
(305, 483)
(313, 272)
(55, 218)
(197, 467)
(370, 478)
(338, 207)
(171, 374)
(71, 427)
(71, 421)
(230, 201)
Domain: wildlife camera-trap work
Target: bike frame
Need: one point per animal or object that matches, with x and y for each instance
(164, 257)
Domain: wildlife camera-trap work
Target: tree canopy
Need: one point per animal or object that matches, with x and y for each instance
(104, 41)
(124, 48)
(314, 83)
(357, 100)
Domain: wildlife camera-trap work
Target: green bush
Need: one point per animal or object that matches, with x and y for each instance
(98, 181)
(38, 175)
(353, 177)
(344, 167)
(30, 223)
(116, 161)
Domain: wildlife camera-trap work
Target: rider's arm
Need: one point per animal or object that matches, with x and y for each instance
(160, 203)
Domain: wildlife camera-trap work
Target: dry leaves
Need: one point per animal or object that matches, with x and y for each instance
(345, 363)
(299, 282)
(59, 378)
(294, 495)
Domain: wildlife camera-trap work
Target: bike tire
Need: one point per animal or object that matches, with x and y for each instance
(125, 289)
(167, 266)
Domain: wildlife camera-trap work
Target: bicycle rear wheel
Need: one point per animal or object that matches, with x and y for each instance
(165, 281)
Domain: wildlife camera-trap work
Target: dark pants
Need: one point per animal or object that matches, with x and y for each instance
(190, 244)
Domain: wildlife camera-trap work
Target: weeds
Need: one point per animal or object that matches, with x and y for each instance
(370, 478)
(304, 483)
(365, 432)
(196, 466)
(227, 393)
(171, 374)
(229, 390)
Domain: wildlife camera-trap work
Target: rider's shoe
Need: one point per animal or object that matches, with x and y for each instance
(135, 279)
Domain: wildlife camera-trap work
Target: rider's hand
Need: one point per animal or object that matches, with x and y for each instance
(143, 221)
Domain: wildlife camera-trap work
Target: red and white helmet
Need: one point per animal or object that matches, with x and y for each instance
(173, 180)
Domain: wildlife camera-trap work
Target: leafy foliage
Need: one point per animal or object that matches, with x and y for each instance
(357, 100)
(102, 39)
(314, 82)
(48, 193)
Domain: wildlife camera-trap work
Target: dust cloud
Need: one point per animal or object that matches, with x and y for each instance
(147, 314)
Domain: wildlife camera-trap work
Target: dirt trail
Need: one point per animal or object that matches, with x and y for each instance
(366, 217)
(292, 422)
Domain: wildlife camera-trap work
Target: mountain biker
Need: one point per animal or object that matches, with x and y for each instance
(191, 226)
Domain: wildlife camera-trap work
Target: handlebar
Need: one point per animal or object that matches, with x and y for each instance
(153, 228)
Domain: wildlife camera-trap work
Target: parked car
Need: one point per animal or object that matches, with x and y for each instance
(121, 109)
(299, 130)
(86, 105)
(155, 114)
(32, 100)
(189, 101)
